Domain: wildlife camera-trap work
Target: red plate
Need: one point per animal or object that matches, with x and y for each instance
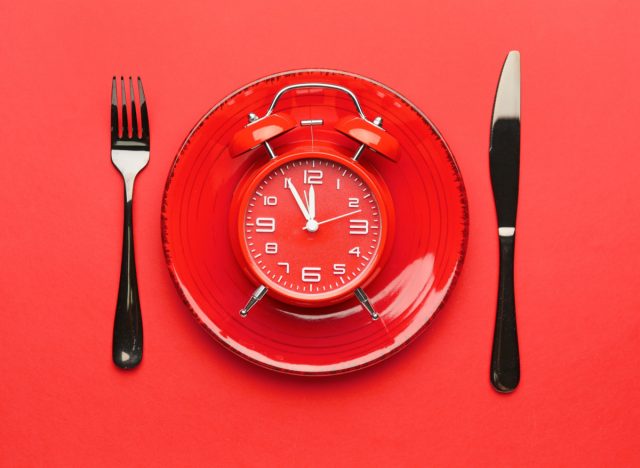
(421, 262)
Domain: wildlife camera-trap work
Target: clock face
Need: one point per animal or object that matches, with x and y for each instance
(312, 227)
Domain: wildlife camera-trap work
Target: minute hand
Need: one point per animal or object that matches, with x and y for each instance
(337, 217)
(299, 201)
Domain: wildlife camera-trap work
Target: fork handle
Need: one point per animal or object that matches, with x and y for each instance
(127, 327)
(505, 358)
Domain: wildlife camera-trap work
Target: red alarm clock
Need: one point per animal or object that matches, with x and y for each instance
(311, 223)
(314, 222)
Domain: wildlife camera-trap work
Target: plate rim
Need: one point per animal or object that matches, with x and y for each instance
(461, 254)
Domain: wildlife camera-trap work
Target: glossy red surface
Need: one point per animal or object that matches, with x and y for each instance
(422, 260)
(340, 256)
(374, 137)
(256, 133)
(192, 403)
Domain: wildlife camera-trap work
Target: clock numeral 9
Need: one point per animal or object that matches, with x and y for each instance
(339, 269)
(311, 274)
(270, 200)
(358, 227)
(313, 176)
(265, 225)
(355, 251)
(354, 202)
(271, 248)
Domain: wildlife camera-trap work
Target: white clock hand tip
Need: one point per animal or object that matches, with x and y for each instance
(312, 202)
(296, 196)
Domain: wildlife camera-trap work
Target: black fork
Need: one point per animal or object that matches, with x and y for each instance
(129, 154)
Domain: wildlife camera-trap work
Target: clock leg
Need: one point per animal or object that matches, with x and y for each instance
(364, 300)
(253, 300)
(378, 122)
(272, 155)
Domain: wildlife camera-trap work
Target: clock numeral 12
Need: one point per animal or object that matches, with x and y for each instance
(313, 176)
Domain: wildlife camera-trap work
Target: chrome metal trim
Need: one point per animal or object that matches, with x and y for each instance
(316, 85)
(253, 300)
(507, 105)
(364, 300)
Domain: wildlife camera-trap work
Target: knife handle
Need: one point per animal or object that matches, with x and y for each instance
(505, 358)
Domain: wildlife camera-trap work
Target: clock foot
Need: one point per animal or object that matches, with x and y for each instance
(253, 300)
(364, 300)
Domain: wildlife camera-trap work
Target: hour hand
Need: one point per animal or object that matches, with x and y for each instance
(299, 201)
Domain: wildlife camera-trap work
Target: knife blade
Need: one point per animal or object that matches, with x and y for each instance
(504, 163)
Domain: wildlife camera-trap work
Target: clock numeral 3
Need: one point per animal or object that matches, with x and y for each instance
(358, 227)
(265, 224)
(313, 176)
(311, 274)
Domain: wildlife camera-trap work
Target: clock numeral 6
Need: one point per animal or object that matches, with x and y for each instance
(271, 248)
(265, 224)
(354, 202)
(311, 274)
(339, 268)
(358, 227)
(355, 251)
(313, 176)
(270, 200)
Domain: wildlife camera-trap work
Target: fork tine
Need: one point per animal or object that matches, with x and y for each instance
(144, 115)
(134, 115)
(114, 111)
(125, 120)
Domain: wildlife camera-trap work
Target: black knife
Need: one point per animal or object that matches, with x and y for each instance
(504, 161)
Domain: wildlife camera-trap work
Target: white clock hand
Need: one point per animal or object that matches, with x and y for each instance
(306, 200)
(336, 217)
(312, 203)
(296, 195)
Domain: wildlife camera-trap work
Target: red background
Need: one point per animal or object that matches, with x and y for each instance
(192, 403)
